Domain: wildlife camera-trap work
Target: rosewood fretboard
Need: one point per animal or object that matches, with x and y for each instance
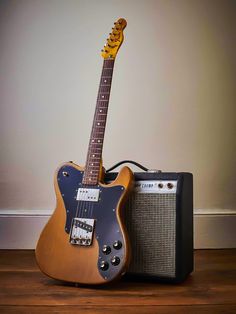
(94, 156)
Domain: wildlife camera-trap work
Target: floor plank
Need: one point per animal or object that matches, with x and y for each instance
(195, 309)
(211, 288)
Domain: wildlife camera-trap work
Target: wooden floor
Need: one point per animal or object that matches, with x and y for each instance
(210, 289)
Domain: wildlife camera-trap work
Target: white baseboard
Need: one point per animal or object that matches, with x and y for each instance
(20, 229)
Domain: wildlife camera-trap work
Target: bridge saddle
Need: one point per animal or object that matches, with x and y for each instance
(82, 231)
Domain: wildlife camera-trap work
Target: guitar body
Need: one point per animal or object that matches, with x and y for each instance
(85, 240)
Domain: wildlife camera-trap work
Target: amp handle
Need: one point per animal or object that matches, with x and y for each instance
(129, 162)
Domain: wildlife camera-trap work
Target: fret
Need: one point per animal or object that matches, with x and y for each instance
(99, 127)
(103, 106)
(95, 150)
(102, 95)
(91, 175)
(93, 168)
(99, 142)
(102, 117)
(99, 133)
(107, 72)
(105, 89)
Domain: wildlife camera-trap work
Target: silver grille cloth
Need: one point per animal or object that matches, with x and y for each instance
(150, 220)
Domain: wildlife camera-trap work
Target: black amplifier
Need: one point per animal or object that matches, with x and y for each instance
(159, 220)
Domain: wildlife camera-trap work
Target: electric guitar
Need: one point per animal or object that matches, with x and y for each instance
(85, 240)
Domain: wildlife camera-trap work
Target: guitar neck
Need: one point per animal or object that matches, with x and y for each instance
(94, 155)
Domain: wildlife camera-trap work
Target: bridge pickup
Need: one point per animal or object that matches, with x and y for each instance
(89, 195)
(82, 231)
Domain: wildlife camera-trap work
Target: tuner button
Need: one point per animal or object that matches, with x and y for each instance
(117, 245)
(104, 265)
(106, 249)
(115, 260)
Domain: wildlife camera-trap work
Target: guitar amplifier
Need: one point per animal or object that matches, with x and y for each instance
(159, 220)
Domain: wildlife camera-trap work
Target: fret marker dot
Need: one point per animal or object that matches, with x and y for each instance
(91, 172)
(93, 155)
(100, 110)
(102, 96)
(105, 81)
(99, 141)
(91, 164)
(98, 123)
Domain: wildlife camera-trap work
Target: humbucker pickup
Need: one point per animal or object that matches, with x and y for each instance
(81, 231)
(89, 195)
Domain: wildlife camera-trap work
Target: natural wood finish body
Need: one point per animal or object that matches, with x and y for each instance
(57, 258)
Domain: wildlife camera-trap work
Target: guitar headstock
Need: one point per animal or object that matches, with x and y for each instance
(114, 41)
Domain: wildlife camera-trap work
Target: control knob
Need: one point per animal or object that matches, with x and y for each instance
(106, 249)
(104, 265)
(117, 245)
(115, 260)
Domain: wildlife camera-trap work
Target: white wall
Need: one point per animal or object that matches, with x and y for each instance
(173, 96)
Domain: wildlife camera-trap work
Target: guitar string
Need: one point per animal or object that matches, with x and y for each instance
(106, 89)
(81, 206)
(96, 149)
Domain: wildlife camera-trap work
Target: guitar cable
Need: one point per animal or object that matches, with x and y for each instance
(129, 162)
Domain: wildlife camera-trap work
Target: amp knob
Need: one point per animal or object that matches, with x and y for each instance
(104, 265)
(117, 245)
(115, 261)
(106, 249)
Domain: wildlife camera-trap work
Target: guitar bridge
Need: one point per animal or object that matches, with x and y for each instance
(81, 232)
